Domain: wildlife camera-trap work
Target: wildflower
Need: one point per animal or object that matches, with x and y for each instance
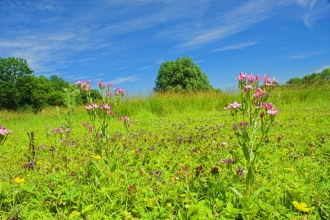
(4, 131)
(42, 147)
(290, 169)
(85, 123)
(90, 128)
(259, 93)
(30, 165)
(242, 76)
(97, 157)
(270, 82)
(18, 180)
(251, 78)
(272, 111)
(123, 118)
(247, 88)
(301, 206)
(229, 161)
(239, 170)
(233, 105)
(110, 112)
(91, 106)
(101, 84)
(105, 107)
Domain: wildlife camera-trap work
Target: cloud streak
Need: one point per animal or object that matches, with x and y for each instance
(237, 46)
(119, 80)
(302, 56)
(232, 22)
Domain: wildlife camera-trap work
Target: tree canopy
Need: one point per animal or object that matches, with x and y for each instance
(11, 68)
(21, 90)
(311, 79)
(181, 74)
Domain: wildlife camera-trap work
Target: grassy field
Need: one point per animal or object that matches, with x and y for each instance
(168, 163)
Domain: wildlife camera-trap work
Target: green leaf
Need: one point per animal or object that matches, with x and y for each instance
(246, 151)
(236, 192)
(88, 208)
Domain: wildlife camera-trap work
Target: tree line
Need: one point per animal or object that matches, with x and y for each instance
(311, 79)
(21, 90)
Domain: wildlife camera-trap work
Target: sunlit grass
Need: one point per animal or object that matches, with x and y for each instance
(169, 164)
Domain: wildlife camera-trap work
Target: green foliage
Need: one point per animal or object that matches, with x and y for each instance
(83, 96)
(311, 79)
(181, 74)
(20, 90)
(169, 166)
(11, 68)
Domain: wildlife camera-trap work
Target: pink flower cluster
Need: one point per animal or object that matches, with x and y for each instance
(260, 93)
(91, 106)
(251, 79)
(104, 107)
(103, 85)
(125, 118)
(85, 85)
(119, 91)
(233, 105)
(270, 109)
(4, 131)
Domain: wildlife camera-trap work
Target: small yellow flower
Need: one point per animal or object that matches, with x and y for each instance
(97, 157)
(296, 133)
(301, 206)
(290, 169)
(18, 180)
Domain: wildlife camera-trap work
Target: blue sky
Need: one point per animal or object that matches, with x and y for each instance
(124, 42)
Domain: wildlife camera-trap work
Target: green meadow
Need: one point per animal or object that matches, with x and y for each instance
(168, 163)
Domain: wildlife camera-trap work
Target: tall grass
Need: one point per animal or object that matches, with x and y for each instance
(169, 165)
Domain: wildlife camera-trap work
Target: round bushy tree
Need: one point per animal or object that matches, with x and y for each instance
(181, 74)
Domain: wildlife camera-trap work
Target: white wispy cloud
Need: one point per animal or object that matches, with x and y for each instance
(84, 60)
(119, 80)
(232, 22)
(121, 68)
(306, 55)
(237, 46)
(314, 10)
(146, 67)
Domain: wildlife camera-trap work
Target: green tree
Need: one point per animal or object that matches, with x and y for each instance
(181, 74)
(33, 92)
(294, 82)
(11, 68)
(58, 83)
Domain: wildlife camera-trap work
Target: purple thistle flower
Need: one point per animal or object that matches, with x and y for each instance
(239, 171)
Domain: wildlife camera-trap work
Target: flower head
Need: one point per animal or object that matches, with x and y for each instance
(301, 206)
(272, 111)
(240, 170)
(4, 131)
(242, 76)
(105, 107)
(91, 106)
(97, 157)
(18, 180)
(233, 105)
